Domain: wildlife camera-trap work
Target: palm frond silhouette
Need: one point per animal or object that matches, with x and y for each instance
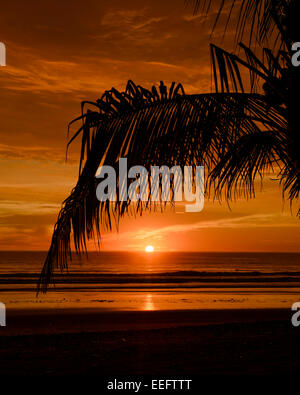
(274, 72)
(237, 136)
(266, 22)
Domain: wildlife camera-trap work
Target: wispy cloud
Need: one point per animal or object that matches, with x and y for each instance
(242, 222)
(7, 208)
(38, 153)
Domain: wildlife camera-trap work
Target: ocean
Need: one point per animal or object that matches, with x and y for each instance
(154, 281)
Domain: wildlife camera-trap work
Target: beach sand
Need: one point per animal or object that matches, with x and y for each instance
(197, 342)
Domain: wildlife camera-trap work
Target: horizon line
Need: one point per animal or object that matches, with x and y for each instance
(165, 251)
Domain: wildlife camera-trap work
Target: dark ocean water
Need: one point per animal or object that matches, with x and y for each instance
(123, 280)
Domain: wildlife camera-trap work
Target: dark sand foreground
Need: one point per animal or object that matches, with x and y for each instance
(227, 342)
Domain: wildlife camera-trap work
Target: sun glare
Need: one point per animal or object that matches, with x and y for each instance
(149, 249)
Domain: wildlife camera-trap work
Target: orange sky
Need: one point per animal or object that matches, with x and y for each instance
(59, 53)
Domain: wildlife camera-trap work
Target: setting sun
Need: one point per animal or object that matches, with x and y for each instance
(149, 249)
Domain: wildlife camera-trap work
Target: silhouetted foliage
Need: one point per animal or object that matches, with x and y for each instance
(237, 136)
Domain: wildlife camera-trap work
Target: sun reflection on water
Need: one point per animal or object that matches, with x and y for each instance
(148, 304)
